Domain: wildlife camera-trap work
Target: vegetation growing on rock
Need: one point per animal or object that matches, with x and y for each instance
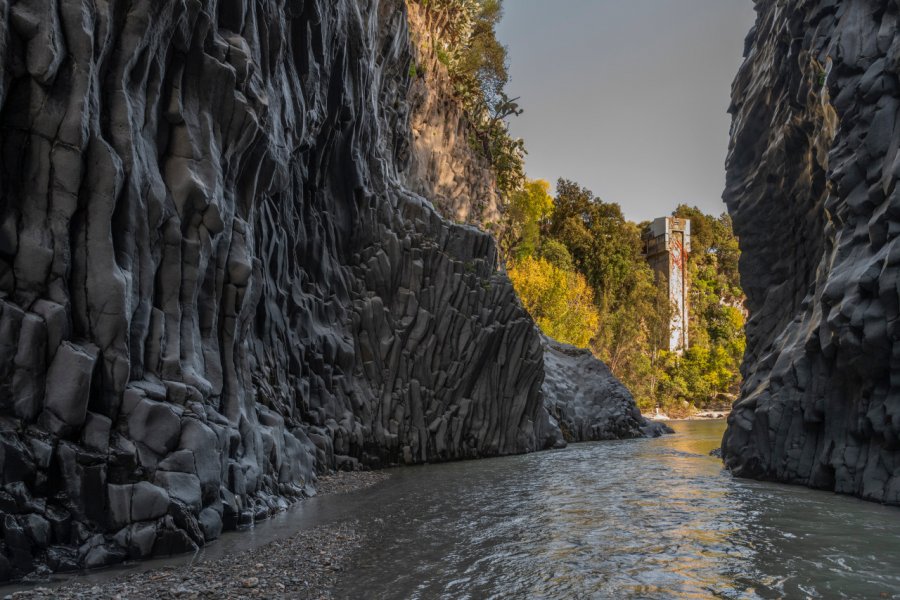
(466, 43)
(576, 261)
(555, 246)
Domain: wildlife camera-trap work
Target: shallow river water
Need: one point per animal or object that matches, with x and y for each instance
(630, 519)
(641, 518)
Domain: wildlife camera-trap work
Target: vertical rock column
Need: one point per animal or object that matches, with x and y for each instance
(811, 186)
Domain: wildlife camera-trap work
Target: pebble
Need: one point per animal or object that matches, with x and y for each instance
(304, 565)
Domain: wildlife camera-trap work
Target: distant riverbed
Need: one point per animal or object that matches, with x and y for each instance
(703, 415)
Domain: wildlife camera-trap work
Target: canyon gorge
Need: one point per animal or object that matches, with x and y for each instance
(247, 243)
(222, 273)
(812, 188)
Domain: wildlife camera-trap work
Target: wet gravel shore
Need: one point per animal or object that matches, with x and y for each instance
(304, 565)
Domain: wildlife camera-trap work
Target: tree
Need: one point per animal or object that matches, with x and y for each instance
(556, 253)
(466, 43)
(483, 59)
(605, 247)
(560, 301)
(590, 240)
(527, 211)
(709, 372)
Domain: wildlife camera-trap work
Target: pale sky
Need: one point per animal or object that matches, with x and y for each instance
(627, 97)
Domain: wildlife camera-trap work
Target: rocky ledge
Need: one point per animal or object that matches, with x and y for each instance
(812, 188)
(586, 402)
(216, 282)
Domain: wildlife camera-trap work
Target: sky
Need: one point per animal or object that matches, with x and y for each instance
(629, 98)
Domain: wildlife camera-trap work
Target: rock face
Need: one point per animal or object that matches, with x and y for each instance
(214, 282)
(586, 402)
(442, 166)
(812, 177)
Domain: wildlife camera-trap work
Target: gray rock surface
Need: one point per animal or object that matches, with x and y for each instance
(811, 186)
(586, 402)
(214, 283)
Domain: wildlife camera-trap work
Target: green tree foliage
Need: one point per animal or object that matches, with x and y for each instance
(453, 20)
(603, 244)
(592, 239)
(482, 61)
(527, 210)
(633, 307)
(556, 253)
(709, 372)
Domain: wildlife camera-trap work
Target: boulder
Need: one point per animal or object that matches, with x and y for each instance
(584, 400)
(148, 501)
(184, 487)
(156, 425)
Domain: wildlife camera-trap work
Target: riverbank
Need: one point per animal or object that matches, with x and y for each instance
(665, 521)
(703, 415)
(304, 565)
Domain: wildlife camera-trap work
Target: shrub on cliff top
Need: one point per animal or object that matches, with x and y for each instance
(466, 42)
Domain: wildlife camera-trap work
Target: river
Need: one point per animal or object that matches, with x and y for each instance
(639, 518)
(653, 518)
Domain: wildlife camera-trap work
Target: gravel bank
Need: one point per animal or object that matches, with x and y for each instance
(304, 565)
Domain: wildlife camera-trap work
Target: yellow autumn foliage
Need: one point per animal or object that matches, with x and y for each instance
(560, 301)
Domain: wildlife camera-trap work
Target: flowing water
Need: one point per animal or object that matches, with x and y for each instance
(640, 518)
(630, 519)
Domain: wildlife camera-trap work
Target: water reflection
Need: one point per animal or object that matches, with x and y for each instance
(643, 519)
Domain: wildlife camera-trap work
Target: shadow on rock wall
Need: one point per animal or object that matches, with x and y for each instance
(812, 177)
(213, 285)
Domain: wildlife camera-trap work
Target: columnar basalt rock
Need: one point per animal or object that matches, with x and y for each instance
(812, 176)
(214, 282)
(586, 402)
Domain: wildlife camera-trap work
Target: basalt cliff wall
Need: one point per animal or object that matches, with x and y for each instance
(812, 187)
(217, 281)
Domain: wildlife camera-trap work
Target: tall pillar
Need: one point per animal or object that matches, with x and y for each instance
(667, 244)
